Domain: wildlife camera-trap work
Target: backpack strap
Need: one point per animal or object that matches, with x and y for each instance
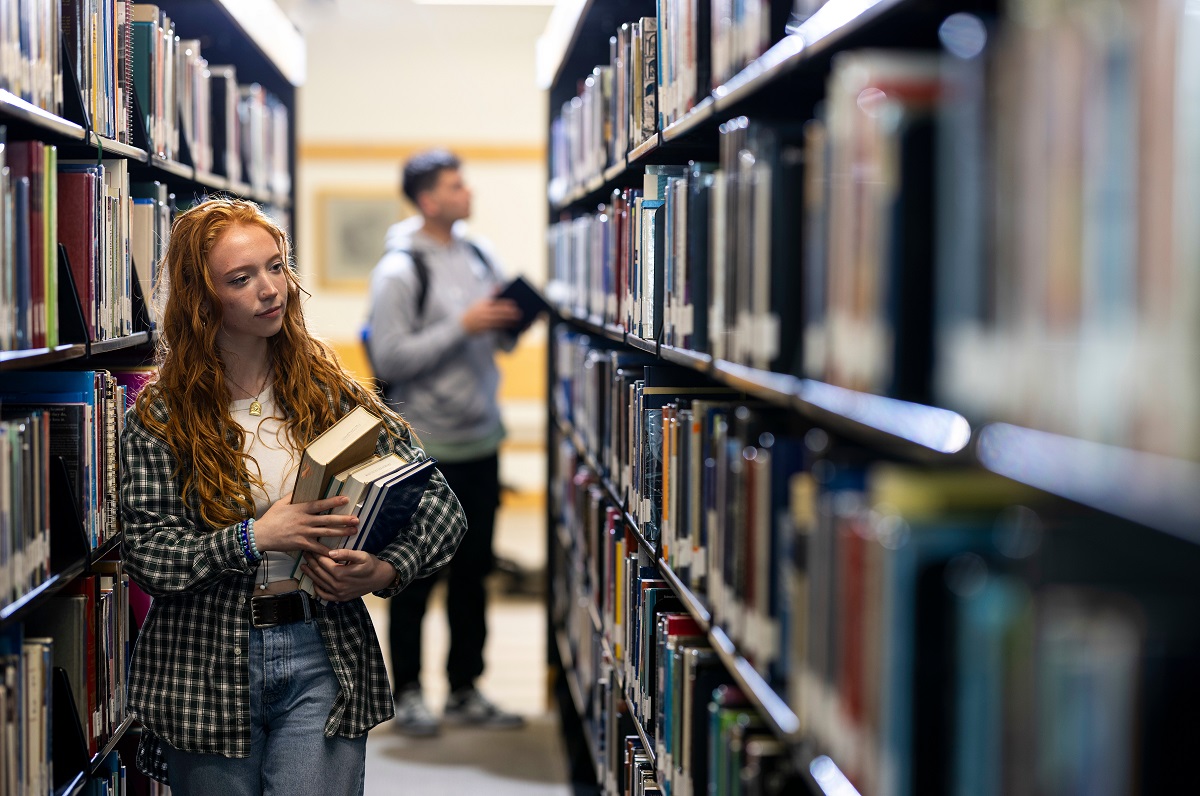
(422, 271)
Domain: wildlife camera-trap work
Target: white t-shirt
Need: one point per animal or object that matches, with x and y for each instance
(268, 444)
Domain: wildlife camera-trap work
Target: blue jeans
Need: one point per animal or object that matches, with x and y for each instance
(292, 688)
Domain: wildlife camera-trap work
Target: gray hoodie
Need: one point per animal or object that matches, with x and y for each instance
(441, 379)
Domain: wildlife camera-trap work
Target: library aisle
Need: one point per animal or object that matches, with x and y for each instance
(530, 761)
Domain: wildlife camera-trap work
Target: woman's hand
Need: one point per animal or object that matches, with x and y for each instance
(343, 575)
(288, 526)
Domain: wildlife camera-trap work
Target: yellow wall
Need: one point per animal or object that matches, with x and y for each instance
(522, 372)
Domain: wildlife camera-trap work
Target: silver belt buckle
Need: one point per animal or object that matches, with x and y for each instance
(255, 621)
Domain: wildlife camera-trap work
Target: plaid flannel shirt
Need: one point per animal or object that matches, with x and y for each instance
(189, 682)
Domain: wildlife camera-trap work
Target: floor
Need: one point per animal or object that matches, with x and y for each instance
(470, 761)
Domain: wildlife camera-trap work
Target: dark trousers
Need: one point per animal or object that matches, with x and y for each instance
(477, 485)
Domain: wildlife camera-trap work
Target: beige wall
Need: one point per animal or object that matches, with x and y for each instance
(388, 76)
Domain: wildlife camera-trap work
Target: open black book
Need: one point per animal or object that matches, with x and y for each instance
(528, 298)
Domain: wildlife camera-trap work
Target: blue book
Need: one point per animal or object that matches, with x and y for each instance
(392, 510)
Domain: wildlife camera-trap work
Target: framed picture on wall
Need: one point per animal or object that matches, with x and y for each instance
(351, 225)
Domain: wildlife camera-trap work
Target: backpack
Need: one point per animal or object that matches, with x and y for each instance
(422, 271)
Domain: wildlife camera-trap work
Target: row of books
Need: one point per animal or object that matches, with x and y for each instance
(614, 112)
(109, 227)
(29, 52)
(198, 113)
(118, 50)
(850, 588)
(99, 60)
(1074, 302)
(955, 635)
(702, 472)
(75, 416)
(24, 504)
(867, 297)
(655, 672)
(703, 257)
(83, 637)
(962, 295)
(659, 68)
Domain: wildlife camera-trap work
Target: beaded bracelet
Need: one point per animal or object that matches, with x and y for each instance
(253, 543)
(245, 533)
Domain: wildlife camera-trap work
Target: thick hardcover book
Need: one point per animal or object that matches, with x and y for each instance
(77, 223)
(351, 439)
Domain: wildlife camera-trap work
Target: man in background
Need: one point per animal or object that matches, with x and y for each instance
(433, 330)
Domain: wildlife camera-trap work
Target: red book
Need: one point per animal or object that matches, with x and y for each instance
(77, 232)
(27, 159)
(87, 586)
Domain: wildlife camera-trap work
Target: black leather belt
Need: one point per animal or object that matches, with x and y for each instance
(272, 610)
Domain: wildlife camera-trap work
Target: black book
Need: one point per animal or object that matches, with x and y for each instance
(528, 298)
(394, 505)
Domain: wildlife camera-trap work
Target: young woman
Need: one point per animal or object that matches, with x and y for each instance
(243, 683)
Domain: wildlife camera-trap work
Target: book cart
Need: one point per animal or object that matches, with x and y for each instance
(113, 116)
(874, 456)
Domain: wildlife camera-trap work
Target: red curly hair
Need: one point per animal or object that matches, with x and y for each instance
(208, 444)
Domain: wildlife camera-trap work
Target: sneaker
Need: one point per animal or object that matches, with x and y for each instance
(412, 717)
(473, 708)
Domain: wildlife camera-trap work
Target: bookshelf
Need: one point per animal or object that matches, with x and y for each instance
(95, 163)
(843, 374)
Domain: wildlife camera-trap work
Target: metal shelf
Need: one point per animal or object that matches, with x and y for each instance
(643, 149)
(16, 108)
(212, 180)
(614, 172)
(23, 605)
(641, 731)
(118, 343)
(691, 121)
(173, 167)
(918, 429)
(37, 357)
(109, 146)
(777, 712)
(1156, 491)
(682, 356)
(641, 344)
(774, 387)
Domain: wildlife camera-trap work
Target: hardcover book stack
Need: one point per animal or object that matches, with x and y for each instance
(384, 491)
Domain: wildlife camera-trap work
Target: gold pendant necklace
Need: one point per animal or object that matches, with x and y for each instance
(255, 406)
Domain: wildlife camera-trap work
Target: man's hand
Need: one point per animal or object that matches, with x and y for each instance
(343, 575)
(490, 313)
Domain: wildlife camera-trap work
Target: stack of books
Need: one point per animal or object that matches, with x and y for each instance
(384, 491)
